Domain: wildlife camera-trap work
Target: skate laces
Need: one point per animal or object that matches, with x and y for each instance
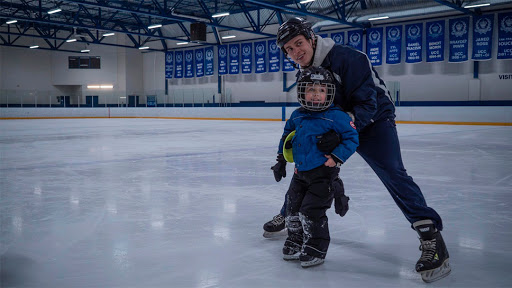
(428, 249)
(278, 220)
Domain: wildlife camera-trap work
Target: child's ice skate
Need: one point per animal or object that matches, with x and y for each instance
(308, 260)
(274, 227)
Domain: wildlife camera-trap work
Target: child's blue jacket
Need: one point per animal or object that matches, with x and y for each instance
(309, 126)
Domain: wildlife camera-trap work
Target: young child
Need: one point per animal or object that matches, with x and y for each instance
(311, 189)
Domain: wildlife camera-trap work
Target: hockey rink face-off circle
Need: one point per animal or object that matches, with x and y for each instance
(181, 203)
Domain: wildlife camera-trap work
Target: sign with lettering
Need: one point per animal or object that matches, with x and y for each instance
(393, 44)
(505, 36)
(169, 60)
(435, 41)
(374, 45)
(355, 39)
(482, 36)
(459, 31)
(413, 43)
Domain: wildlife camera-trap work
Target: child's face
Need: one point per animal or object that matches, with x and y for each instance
(316, 93)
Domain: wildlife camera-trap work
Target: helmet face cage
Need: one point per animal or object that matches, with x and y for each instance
(315, 77)
(291, 29)
(302, 90)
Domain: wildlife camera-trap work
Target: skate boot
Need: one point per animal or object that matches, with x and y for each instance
(291, 250)
(274, 226)
(309, 261)
(434, 261)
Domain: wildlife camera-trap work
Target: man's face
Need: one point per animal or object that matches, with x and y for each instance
(300, 50)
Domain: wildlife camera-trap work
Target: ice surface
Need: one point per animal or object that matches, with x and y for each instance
(181, 203)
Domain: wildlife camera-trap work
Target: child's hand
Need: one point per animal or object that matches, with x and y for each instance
(330, 162)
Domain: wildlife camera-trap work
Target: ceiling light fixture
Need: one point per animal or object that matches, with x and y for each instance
(228, 36)
(182, 43)
(222, 14)
(71, 40)
(143, 48)
(378, 18)
(85, 50)
(11, 21)
(477, 5)
(109, 34)
(306, 1)
(154, 26)
(53, 11)
(34, 47)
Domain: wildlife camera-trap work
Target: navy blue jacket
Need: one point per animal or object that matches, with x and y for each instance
(358, 87)
(308, 126)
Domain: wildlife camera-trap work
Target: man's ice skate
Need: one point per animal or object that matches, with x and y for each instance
(274, 227)
(434, 262)
(291, 250)
(309, 261)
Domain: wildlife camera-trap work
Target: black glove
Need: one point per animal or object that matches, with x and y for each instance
(328, 141)
(341, 205)
(340, 200)
(280, 168)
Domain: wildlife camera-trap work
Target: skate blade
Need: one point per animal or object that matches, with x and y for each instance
(277, 234)
(291, 257)
(314, 262)
(438, 273)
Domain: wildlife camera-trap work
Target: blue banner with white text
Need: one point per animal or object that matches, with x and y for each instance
(482, 36)
(288, 65)
(413, 43)
(260, 58)
(374, 38)
(223, 59)
(178, 59)
(435, 41)
(189, 63)
(199, 62)
(459, 43)
(505, 36)
(169, 61)
(246, 58)
(208, 61)
(355, 39)
(338, 37)
(274, 56)
(393, 44)
(234, 58)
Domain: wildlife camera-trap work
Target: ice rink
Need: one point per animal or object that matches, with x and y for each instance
(181, 203)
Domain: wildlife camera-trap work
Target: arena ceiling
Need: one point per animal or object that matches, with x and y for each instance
(83, 22)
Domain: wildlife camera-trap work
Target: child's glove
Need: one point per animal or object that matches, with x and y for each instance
(328, 141)
(340, 200)
(280, 168)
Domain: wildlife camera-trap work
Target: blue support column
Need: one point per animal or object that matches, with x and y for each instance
(475, 69)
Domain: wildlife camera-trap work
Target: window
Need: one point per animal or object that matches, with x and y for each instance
(78, 62)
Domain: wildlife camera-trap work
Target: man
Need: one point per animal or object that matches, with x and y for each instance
(361, 93)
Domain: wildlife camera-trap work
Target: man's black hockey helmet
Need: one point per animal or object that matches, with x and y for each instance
(310, 77)
(292, 28)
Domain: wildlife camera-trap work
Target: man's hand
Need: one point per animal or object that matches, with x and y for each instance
(328, 141)
(280, 168)
(340, 200)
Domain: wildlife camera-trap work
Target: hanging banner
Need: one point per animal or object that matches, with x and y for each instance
(413, 43)
(374, 45)
(338, 37)
(435, 41)
(208, 61)
(246, 58)
(189, 63)
(482, 36)
(324, 35)
(178, 59)
(260, 59)
(169, 60)
(288, 65)
(199, 62)
(274, 56)
(355, 39)
(234, 58)
(223, 59)
(505, 36)
(393, 44)
(459, 31)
